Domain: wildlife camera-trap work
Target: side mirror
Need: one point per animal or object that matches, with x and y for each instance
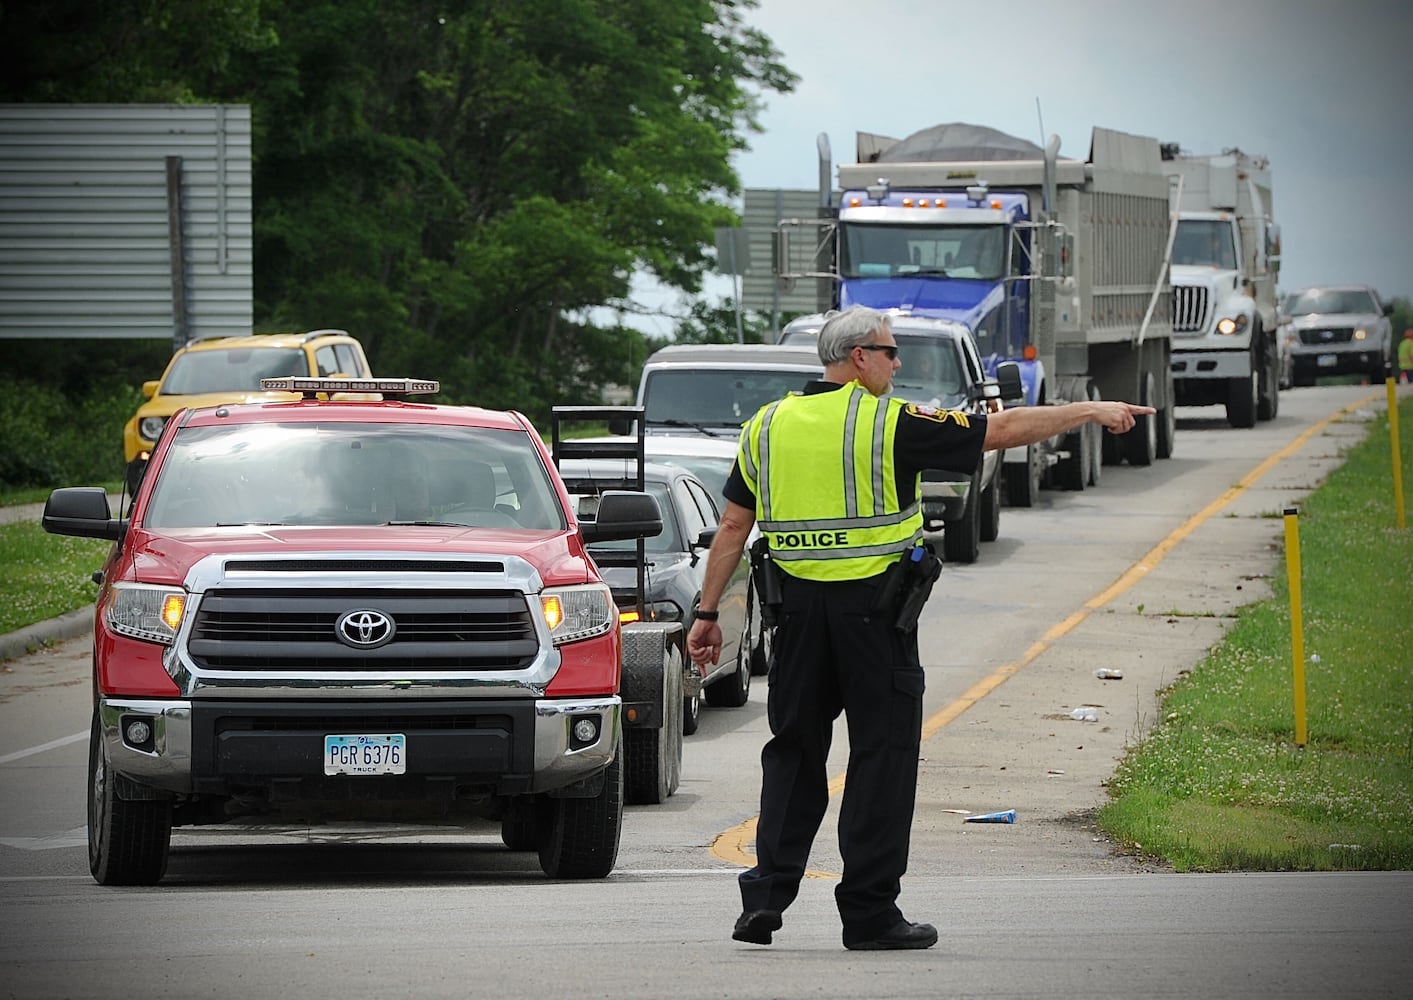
(149, 389)
(620, 427)
(83, 512)
(1388, 308)
(623, 514)
(1008, 377)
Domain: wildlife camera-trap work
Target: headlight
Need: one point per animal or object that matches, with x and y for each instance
(574, 613)
(1231, 325)
(150, 427)
(1361, 334)
(152, 614)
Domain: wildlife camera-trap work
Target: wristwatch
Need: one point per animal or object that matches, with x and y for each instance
(708, 616)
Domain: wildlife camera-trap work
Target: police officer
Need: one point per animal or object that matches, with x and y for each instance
(832, 475)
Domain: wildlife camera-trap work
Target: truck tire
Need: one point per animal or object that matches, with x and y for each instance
(734, 690)
(1242, 398)
(653, 755)
(1268, 392)
(1167, 422)
(1140, 444)
(127, 841)
(581, 835)
(1072, 472)
(1023, 481)
(991, 510)
(1096, 443)
(961, 539)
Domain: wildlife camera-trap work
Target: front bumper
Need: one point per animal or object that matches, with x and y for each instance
(1227, 364)
(1342, 359)
(222, 747)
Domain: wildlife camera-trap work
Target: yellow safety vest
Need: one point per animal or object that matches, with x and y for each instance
(821, 467)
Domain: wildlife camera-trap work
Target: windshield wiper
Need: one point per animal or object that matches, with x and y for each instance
(250, 524)
(696, 427)
(425, 524)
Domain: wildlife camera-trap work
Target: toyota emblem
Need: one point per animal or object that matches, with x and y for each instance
(365, 628)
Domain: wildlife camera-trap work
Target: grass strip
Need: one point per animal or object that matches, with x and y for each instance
(43, 576)
(1219, 784)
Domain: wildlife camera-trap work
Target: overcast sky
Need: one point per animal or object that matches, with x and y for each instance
(1323, 89)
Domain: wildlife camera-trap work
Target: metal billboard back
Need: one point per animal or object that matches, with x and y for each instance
(125, 221)
(764, 208)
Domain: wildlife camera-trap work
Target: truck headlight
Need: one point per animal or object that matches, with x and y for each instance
(150, 428)
(142, 611)
(1231, 324)
(1361, 334)
(580, 612)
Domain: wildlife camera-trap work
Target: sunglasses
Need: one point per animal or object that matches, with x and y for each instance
(889, 349)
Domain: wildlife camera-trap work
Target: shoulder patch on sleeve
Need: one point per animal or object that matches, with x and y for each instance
(939, 416)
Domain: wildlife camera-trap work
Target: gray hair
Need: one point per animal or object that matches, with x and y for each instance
(844, 331)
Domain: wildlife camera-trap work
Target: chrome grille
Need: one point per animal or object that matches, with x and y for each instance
(242, 629)
(1189, 309)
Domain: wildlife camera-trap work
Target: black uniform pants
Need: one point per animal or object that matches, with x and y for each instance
(831, 655)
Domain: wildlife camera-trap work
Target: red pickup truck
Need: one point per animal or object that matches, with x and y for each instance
(322, 609)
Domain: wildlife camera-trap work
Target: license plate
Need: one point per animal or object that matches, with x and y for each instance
(1327, 360)
(365, 753)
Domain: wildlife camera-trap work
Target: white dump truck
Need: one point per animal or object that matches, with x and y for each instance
(1226, 255)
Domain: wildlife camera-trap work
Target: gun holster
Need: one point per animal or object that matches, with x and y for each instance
(906, 586)
(765, 575)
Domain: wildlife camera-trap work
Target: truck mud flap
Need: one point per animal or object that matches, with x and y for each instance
(642, 684)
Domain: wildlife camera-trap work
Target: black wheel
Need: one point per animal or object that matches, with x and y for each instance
(1023, 481)
(522, 823)
(1243, 397)
(762, 652)
(1072, 472)
(127, 840)
(991, 510)
(653, 756)
(735, 690)
(1268, 401)
(1096, 444)
(691, 714)
(961, 539)
(1140, 444)
(581, 835)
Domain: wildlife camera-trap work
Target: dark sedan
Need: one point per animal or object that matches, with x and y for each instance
(674, 571)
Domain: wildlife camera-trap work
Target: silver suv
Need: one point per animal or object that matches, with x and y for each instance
(1338, 330)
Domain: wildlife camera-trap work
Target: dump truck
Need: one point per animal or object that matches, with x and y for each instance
(1059, 265)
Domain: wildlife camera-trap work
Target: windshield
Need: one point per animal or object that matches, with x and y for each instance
(875, 250)
(352, 474)
(715, 398)
(712, 470)
(1205, 243)
(236, 369)
(931, 372)
(1331, 301)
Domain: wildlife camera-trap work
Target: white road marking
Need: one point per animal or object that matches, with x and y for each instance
(63, 741)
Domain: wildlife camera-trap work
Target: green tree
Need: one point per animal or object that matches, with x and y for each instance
(458, 183)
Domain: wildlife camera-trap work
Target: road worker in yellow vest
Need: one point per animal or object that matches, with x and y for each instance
(832, 475)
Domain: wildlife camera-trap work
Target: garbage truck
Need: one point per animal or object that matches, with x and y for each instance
(1226, 256)
(1059, 265)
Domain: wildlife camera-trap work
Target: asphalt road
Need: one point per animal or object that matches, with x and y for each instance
(1141, 575)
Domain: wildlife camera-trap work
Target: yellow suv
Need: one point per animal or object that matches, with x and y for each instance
(229, 370)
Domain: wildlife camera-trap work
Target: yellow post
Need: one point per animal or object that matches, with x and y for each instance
(1397, 455)
(1297, 634)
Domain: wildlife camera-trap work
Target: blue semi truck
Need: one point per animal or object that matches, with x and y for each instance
(1060, 265)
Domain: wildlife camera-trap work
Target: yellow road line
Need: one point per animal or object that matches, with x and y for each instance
(732, 845)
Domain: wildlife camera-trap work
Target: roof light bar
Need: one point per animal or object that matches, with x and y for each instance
(406, 386)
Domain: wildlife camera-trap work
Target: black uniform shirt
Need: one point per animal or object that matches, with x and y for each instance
(927, 438)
